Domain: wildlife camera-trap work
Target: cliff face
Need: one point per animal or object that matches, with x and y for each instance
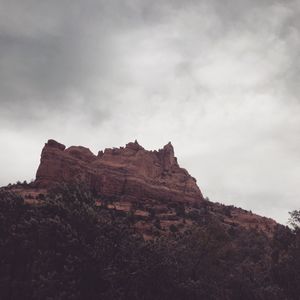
(150, 185)
(129, 172)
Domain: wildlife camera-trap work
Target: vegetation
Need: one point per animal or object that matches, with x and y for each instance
(68, 248)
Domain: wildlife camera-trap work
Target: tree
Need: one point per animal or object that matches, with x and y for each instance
(294, 219)
(286, 261)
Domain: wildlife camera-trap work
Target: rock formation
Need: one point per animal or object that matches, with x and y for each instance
(129, 172)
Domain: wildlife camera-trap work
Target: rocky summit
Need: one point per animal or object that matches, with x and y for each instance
(128, 173)
(149, 186)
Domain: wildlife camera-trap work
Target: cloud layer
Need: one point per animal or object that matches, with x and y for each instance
(217, 78)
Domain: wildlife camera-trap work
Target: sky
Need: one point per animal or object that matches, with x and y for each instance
(219, 79)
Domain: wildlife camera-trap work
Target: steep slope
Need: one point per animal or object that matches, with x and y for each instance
(131, 172)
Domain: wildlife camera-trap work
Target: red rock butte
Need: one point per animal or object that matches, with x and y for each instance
(129, 172)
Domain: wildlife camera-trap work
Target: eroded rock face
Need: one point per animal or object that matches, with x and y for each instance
(130, 172)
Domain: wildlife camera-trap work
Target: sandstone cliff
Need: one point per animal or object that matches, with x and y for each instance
(149, 186)
(129, 172)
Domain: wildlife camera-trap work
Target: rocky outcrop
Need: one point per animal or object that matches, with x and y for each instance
(129, 172)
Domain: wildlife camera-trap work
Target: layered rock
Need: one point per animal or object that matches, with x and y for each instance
(129, 172)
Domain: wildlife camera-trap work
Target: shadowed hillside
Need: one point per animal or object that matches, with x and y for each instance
(132, 224)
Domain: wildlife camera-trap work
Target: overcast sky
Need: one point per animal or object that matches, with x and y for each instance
(219, 79)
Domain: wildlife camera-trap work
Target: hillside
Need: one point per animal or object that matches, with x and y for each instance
(132, 224)
(149, 184)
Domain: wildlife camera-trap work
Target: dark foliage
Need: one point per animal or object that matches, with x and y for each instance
(286, 257)
(68, 248)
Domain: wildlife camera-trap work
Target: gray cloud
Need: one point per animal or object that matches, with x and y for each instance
(218, 78)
